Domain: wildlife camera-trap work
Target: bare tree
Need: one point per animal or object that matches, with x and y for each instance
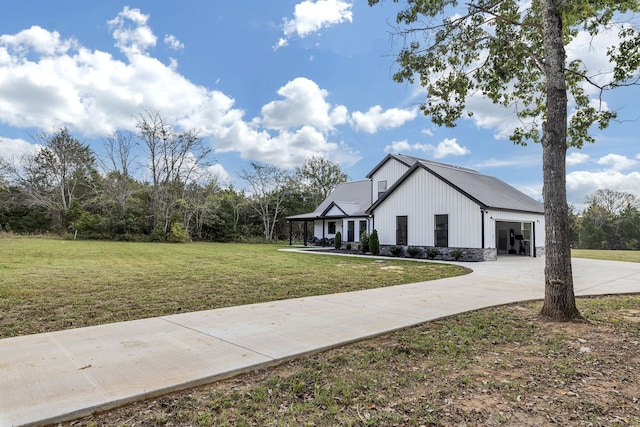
(614, 202)
(269, 186)
(118, 184)
(174, 159)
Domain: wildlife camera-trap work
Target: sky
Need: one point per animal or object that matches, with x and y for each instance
(271, 81)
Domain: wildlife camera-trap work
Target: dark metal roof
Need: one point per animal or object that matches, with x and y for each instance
(406, 160)
(353, 198)
(487, 191)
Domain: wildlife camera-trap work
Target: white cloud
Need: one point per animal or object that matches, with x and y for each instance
(173, 42)
(218, 171)
(404, 146)
(591, 50)
(448, 147)
(304, 104)
(487, 115)
(310, 17)
(375, 118)
(285, 149)
(37, 39)
(574, 158)
(617, 162)
(94, 94)
(130, 30)
(282, 42)
(583, 183)
(13, 149)
(513, 162)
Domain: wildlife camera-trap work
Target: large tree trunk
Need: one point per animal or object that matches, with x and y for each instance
(559, 299)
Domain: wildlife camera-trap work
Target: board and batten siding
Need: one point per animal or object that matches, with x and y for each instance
(420, 198)
(390, 172)
(319, 232)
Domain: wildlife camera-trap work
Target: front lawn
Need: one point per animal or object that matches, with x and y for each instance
(629, 256)
(48, 284)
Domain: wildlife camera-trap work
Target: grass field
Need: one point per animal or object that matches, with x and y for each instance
(629, 256)
(48, 284)
(498, 366)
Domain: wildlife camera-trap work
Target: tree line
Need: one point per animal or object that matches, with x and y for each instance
(610, 221)
(153, 185)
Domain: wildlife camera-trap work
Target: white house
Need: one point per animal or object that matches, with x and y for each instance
(413, 202)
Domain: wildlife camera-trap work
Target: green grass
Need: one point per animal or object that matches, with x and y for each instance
(48, 284)
(629, 256)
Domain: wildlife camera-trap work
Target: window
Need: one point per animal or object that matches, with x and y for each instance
(401, 230)
(351, 225)
(363, 227)
(526, 231)
(442, 231)
(382, 188)
(331, 227)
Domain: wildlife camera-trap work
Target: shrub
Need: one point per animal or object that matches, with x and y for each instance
(396, 251)
(348, 246)
(374, 243)
(178, 233)
(363, 246)
(432, 253)
(414, 252)
(337, 241)
(456, 254)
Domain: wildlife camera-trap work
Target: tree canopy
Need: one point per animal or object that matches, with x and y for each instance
(514, 54)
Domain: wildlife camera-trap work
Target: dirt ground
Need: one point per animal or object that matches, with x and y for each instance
(565, 374)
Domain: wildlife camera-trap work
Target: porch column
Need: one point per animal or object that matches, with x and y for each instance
(323, 227)
(305, 232)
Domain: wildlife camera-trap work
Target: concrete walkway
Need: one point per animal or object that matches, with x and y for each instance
(51, 377)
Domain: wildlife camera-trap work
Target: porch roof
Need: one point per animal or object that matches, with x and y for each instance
(351, 198)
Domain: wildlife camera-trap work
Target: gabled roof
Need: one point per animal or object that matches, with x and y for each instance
(406, 160)
(353, 198)
(345, 209)
(487, 191)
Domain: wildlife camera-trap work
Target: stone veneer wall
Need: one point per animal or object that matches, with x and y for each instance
(468, 254)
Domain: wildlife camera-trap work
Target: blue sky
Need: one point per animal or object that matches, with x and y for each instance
(273, 81)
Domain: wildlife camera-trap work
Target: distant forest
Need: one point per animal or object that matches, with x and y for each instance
(155, 185)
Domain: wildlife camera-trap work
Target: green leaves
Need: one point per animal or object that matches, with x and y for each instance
(495, 49)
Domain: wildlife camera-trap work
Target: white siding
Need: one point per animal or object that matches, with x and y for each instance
(334, 211)
(389, 172)
(317, 228)
(422, 197)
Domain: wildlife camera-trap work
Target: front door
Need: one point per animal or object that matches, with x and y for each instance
(351, 225)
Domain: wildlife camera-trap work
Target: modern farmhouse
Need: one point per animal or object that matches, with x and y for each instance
(419, 203)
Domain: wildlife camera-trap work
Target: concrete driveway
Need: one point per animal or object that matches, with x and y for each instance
(51, 377)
